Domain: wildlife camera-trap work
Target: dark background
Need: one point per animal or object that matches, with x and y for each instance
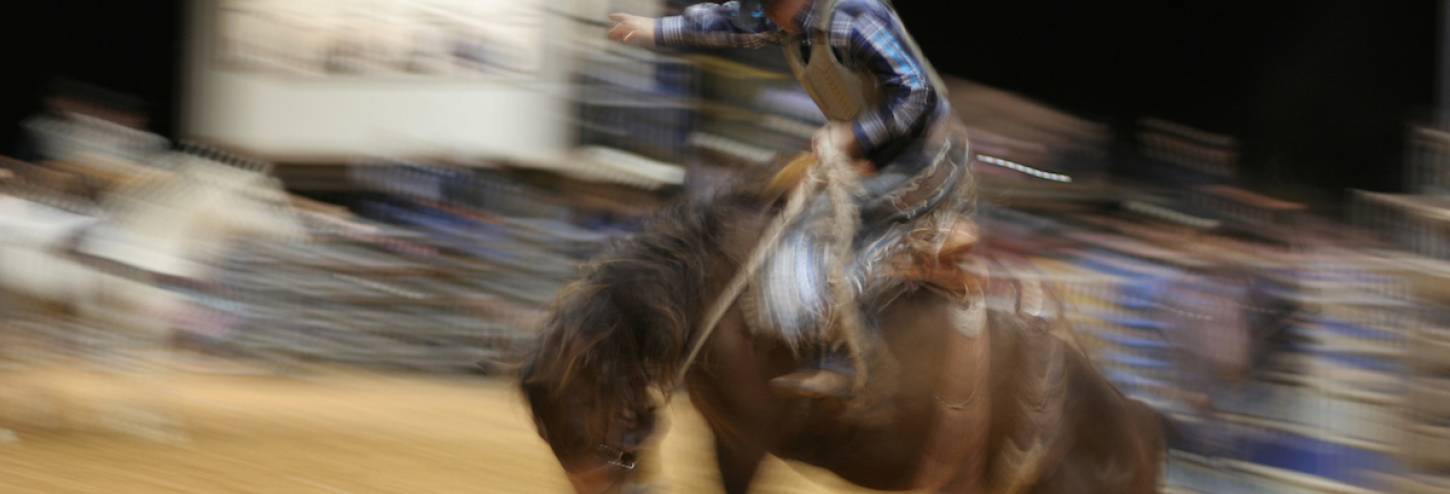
(1318, 91)
(131, 47)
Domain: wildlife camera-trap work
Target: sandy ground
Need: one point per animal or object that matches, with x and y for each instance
(329, 433)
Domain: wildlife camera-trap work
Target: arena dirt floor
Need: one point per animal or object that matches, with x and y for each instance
(330, 432)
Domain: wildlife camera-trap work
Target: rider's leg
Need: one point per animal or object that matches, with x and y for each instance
(950, 237)
(831, 371)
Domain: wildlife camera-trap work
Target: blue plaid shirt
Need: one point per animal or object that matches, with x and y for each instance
(864, 37)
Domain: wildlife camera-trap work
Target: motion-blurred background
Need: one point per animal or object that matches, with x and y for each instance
(274, 195)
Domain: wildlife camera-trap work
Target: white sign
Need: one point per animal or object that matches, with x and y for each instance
(382, 38)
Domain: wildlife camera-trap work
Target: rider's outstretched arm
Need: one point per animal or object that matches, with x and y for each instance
(709, 25)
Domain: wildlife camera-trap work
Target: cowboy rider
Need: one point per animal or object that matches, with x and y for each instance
(886, 108)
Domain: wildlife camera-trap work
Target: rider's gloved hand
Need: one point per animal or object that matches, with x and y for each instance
(633, 30)
(834, 141)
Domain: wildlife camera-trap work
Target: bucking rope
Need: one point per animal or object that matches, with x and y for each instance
(843, 186)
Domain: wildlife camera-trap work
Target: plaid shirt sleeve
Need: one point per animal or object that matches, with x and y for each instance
(709, 25)
(870, 42)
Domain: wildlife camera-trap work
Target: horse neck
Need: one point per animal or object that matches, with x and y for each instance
(737, 244)
(734, 244)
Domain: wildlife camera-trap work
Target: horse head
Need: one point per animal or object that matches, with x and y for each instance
(588, 389)
(614, 341)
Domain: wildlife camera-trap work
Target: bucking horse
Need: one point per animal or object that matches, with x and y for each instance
(986, 389)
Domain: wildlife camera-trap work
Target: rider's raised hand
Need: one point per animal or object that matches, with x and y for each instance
(632, 30)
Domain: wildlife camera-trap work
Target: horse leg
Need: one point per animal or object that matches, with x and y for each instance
(738, 465)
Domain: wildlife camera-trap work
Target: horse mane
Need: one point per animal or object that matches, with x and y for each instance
(626, 325)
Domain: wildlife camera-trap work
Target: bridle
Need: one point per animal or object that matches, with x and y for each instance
(616, 457)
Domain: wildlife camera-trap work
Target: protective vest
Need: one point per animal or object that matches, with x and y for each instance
(841, 92)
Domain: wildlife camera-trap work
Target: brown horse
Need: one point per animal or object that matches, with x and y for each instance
(984, 397)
